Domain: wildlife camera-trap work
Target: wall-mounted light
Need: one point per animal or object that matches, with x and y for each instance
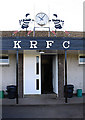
(41, 52)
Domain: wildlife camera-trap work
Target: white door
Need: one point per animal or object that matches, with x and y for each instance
(32, 74)
(55, 74)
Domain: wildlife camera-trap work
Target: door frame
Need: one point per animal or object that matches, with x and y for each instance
(56, 75)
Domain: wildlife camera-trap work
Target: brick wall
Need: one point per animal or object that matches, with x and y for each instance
(61, 75)
(20, 75)
(42, 34)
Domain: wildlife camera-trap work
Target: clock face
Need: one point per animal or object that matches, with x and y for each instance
(41, 19)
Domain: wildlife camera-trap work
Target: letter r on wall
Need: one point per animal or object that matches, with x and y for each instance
(33, 44)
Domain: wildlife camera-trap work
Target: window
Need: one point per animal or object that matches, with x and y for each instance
(4, 60)
(37, 65)
(81, 59)
(37, 84)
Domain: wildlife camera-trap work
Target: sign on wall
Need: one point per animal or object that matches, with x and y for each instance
(44, 43)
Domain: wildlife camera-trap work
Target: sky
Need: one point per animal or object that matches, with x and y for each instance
(71, 11)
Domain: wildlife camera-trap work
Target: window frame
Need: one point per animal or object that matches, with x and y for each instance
(81, 63)
(4, 63)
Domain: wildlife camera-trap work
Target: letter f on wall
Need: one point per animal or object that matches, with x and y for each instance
(49, 44)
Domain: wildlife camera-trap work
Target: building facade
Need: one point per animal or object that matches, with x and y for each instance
(41, 62)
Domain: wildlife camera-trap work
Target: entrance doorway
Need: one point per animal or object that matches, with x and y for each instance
(40, 73)
(46, 74)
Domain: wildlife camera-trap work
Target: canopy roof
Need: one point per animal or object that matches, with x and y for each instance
(76, 43)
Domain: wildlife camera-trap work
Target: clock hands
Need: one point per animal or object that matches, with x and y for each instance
(41, 18)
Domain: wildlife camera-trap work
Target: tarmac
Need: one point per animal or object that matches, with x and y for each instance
(44, 99)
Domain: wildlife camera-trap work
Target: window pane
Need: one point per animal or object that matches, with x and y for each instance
(4, 59)
(82, 58)
(37, 84)
(37, 64)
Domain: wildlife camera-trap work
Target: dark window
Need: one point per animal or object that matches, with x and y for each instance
(37, 84)
(82, 58)
(4, 60)
(37, 64)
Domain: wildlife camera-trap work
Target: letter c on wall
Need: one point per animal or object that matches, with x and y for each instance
(66, 44)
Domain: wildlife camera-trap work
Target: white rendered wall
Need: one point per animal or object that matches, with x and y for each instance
(74, 72)
(55, 74)
(30, 74)
(8, 73)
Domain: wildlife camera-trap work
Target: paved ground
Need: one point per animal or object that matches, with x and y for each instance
(43, 106)
(43, 111)
(46, 99)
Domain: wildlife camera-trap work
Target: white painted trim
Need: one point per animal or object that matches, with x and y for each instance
(24, 75)
(40, 73)
(4, 64)
(55, 74)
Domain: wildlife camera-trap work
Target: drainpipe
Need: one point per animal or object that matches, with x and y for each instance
(17, 54)
(66, 76)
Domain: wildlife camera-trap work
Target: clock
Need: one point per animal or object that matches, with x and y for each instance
(41, 19)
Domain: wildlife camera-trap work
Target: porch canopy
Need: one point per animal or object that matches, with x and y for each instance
(42, 43)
